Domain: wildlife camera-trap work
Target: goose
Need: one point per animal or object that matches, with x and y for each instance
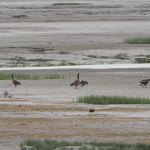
(14, 81)
(82, 83)
(76, 82)
(144, 82)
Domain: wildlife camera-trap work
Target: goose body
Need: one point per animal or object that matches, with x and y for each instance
(82, 83)
(144, 82)
(14, 81)
(76, 82)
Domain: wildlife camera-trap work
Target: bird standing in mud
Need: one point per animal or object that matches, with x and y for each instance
(14, 81)
(82, 83)
(144, 82)
(76, 82)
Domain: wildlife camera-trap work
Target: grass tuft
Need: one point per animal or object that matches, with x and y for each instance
(53, 76)
(121, 56)
(142, 60)
(137, 40)
(106, 100)
(65, 145)
(20, 76)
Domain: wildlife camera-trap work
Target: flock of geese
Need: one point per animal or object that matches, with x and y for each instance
(77, 82)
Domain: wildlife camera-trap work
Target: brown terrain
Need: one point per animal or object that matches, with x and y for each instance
(38, 34)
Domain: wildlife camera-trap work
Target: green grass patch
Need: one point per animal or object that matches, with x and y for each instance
(52, 76)
(137, 40)
(70, 4)
(142, 60)
(65, 145)
(105, 100)
(20, 76)
(65, 63)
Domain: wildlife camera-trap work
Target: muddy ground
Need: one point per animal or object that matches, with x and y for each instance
(42, 34)
(48, 108)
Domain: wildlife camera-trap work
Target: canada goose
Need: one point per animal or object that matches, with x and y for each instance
(144, 82)
(82, 83)
(76, 82)
(14, 81)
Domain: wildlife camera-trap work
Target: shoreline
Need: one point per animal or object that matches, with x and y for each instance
(108, 66)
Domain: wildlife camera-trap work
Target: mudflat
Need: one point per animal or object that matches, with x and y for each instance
(43, 34)
(48, 108)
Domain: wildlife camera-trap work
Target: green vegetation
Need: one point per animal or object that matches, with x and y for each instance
(19, 76)
(65, 145)
(65, 63)
(46, 144)
(105, 100)
(52, 76)
(70, 4)
(137, 40)
(121, 56)
(142, 60)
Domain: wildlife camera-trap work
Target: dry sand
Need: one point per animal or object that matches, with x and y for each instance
(40, 34)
